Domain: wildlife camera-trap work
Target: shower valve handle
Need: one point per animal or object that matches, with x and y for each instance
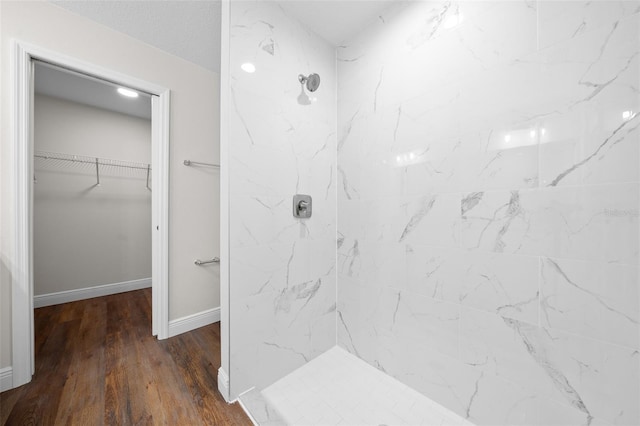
(302, 206)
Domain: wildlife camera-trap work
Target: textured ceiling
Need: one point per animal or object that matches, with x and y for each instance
(191, 29)
(187, 29)
(61, 83)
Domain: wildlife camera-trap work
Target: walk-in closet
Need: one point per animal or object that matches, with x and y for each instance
(92, 187)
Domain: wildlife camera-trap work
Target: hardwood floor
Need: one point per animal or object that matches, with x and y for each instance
(97, 363)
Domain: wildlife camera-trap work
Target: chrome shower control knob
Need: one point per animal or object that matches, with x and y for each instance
(302, 206)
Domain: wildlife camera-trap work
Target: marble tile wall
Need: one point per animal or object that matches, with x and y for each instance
(282, 272)
(488, 206)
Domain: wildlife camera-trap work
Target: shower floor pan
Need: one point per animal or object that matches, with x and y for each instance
(338, 388)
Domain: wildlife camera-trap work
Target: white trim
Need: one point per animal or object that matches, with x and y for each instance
(160, 119)
(89, 292)
(36, 52)
(193, 321)
(22, 284)
(6, 379)
(223, 384)
(225, 358)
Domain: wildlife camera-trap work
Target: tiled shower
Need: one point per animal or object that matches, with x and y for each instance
(474, 169)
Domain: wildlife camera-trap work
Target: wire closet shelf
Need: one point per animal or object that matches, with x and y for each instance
(95, 165)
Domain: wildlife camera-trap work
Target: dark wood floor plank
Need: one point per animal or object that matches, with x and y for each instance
(8, 400)
(46, 319)
(205, 337)
(166, 388)
(40, 402)
(97, 363)
(117, 342)
(200, 376)
(82, 401)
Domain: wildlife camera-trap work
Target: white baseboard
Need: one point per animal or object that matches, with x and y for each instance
(89, 292)
(223, 384)
(6, 378)
(191, 322)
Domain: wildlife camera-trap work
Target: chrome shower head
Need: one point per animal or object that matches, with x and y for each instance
(312, 81)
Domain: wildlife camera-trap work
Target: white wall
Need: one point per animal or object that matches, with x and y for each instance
(87, 235)
(489, 206)
(282, 286)
(194, 194)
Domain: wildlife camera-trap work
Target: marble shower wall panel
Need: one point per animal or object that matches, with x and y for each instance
(283, 269)
(489, 205)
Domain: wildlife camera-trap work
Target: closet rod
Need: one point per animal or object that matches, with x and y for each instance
(97, 161)
(197, 163)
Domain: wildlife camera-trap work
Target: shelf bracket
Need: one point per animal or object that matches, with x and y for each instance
(97, 172)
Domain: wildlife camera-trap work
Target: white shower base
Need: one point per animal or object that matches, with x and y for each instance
(338, 388)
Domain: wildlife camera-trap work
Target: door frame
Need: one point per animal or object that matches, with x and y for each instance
(22, 78)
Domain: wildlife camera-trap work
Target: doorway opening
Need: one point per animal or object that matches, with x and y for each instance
(92, 187)
(154, 177)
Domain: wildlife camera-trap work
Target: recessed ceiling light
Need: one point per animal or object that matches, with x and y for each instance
(248, 67)
(127, 92)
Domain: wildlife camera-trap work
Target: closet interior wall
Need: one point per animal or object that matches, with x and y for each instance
(86, 235)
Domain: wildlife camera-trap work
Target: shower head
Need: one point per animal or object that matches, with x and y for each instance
(312, 81)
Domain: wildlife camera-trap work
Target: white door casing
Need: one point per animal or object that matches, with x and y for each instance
(23, 54)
